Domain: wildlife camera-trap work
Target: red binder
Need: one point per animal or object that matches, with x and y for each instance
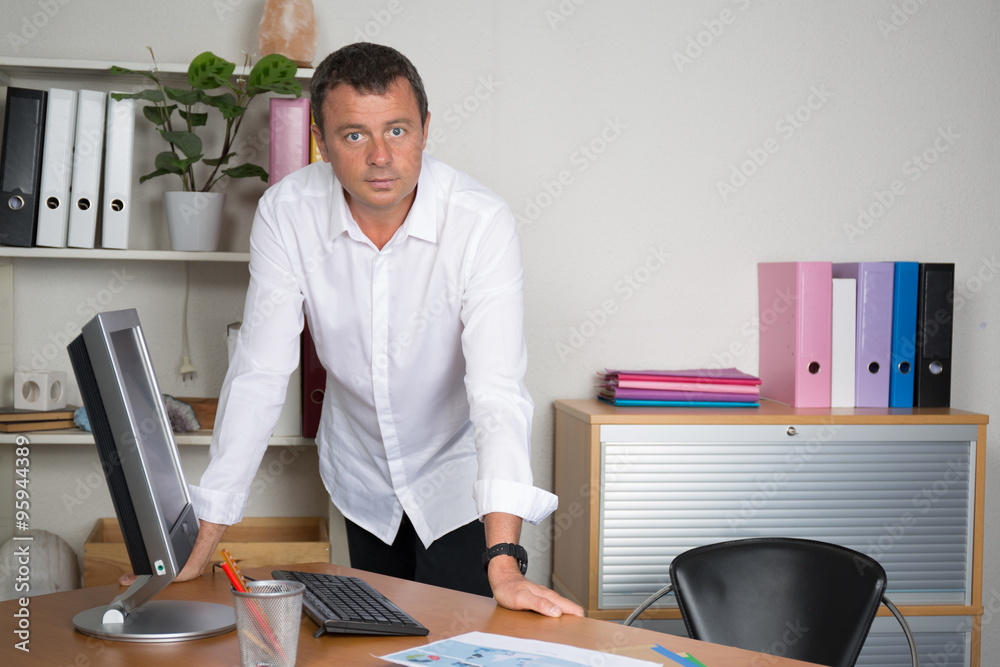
(313, 385)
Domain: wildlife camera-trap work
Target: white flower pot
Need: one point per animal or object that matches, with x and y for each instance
(194, 219)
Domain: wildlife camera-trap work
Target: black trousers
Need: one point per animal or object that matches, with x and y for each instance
(453, 561)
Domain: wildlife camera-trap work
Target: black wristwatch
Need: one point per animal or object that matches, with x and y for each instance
(507, 549)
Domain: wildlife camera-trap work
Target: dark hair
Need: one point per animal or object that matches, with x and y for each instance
(368, 68)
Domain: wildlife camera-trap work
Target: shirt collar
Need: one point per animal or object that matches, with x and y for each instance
(421, 221)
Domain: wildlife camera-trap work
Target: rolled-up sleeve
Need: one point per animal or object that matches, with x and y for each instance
(496, 359)
(266, 353)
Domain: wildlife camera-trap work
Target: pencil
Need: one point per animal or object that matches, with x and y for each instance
(228, 557)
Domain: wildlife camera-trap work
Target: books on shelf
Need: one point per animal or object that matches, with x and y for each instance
(705, 387)
(13, 420)
(24, 427)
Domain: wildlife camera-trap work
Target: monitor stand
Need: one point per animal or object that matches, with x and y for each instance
(157, 621)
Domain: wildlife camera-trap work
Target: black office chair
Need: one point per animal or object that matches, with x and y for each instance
(800, 599)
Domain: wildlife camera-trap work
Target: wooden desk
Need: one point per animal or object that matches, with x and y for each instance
(54, 641)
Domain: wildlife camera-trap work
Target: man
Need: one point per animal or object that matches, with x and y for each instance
(409, 273)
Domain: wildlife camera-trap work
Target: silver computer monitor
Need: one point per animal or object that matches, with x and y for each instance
(142, 467)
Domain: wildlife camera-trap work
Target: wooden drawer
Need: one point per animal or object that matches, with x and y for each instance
(254, 542)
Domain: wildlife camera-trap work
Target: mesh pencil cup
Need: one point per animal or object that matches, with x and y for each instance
(268, 617)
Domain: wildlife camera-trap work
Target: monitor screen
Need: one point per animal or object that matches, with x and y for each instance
(142, 401)
(143, 470)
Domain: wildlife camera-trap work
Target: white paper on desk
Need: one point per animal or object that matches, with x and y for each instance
(481, 649)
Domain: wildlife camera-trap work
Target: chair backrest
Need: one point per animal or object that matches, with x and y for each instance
(794, 598)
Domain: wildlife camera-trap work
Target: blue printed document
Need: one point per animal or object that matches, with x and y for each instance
(481, 649)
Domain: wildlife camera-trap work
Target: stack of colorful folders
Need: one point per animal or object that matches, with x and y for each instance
(705, 387)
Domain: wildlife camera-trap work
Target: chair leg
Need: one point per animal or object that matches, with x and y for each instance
(645, 605)
(914, 658)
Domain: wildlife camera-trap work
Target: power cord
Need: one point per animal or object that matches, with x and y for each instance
(187, 370)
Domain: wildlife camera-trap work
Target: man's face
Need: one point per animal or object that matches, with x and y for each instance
(374, 144)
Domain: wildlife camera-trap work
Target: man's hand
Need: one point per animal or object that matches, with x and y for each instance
(510, 588)
(209, 536)
(513, 591)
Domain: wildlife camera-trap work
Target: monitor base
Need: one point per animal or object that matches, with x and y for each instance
(159, 621)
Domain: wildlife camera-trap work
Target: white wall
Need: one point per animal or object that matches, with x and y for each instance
(609, 127)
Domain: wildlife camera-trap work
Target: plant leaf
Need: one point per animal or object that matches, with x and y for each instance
(149, 95)
(226, 104)
(274, 73)
(188, 142)
(247, 170)
(187, 97)
(208, 71)
(168, 162)
(156, 115)
(154, 174)
(115, 69)
(213, 162)
(196, 119)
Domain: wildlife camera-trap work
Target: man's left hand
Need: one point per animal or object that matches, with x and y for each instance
(513, 591)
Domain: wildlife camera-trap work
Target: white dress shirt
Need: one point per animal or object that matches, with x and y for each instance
(426, 411)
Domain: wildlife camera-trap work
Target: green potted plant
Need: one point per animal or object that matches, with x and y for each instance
(194, 214)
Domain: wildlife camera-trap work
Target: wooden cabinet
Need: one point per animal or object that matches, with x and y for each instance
(639, 485)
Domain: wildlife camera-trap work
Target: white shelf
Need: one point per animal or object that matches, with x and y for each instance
(75, 436)
(128, 255)
(13, 68)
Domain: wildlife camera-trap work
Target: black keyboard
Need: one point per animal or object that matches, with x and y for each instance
(343, 604)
